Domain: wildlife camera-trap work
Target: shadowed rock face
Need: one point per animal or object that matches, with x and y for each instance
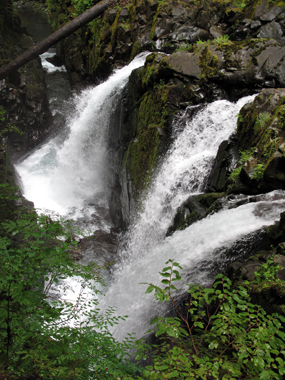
(23, 94)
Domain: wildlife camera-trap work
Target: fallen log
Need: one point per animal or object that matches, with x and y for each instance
(55, 37)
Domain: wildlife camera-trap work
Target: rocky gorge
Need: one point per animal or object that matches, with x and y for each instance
(200, 52)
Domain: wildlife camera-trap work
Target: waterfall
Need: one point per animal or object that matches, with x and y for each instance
(66, 175)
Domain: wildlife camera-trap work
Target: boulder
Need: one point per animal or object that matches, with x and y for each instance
(271, 30)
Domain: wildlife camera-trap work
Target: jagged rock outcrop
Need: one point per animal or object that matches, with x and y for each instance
(123, 32)
(260, 20)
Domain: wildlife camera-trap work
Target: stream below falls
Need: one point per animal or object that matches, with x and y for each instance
(67, 176)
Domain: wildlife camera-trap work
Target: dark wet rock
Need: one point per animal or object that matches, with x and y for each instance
(276, 232)
(274, 172)
(260, 9)
(184, 63)
(216, 31)
(261, 137)
(271, 14)
(226, 159)
(23, 94)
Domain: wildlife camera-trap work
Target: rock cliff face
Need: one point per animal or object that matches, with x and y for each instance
(22, 95)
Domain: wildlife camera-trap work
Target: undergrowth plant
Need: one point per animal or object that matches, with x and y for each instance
(222, 335)
(41, 334)
(244, 156)
(267, 271)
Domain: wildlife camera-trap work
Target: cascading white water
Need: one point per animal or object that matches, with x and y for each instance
(66, 175)
(182, 173)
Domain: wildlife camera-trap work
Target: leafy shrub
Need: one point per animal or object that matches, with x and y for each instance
(223, 39)
(244, 156)
(222, 335)
(258, 171)
(40, 334)
(267, 271)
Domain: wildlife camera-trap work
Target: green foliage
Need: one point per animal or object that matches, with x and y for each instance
(83, 5)
(223, 39)
(222, 336)
(240, 118)
(40, 334)
(200, 42)
(240, 3)
(244, 156)
(267, 271)
(258, 171)
(271, 147)
(235, 173)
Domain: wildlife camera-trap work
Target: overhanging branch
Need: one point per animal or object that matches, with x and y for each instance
(55, 37)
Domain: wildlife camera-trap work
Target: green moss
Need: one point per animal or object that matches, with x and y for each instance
(142, 155)
(150, 117)
(208, 62)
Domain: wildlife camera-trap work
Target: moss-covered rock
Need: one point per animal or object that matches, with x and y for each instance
(124, 31)
(261, 135)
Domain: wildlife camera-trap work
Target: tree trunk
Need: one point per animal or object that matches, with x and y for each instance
(60, 34)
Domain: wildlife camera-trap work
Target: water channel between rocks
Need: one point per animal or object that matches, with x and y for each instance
(66, 175)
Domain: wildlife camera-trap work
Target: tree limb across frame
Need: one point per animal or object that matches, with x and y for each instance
(55, 37)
